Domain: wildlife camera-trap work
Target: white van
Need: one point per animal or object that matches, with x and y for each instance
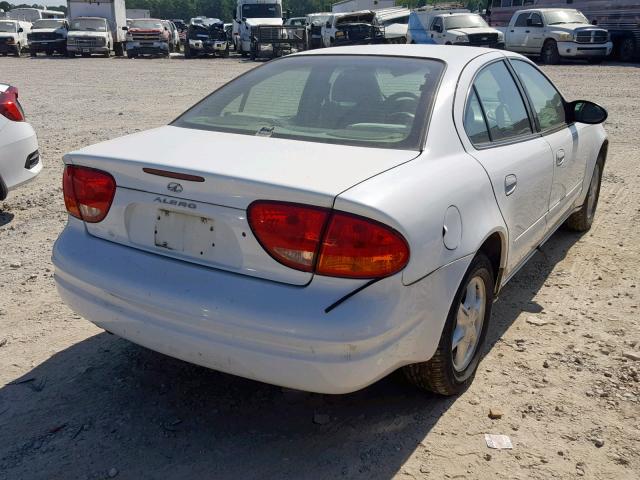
(13, 37)
(33, 14)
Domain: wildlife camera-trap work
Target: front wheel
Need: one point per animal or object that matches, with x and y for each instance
(18, 50)
(582, 220)
(452, 368)
(550, 54)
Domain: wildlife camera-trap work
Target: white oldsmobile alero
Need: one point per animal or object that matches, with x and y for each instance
(331, 216)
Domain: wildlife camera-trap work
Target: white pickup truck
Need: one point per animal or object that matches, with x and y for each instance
(553, 33)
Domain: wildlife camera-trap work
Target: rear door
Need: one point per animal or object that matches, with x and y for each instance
(500, 134)
(515, 35)
(549, 111)
(534, 33)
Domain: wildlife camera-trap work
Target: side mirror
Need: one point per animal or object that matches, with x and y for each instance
(531, 23)
(20, 30)
(584, 111)
(125, 28)
(328, 25)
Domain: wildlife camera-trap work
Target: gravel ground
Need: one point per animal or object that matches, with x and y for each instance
(75, 402)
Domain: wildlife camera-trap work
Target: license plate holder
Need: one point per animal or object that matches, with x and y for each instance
(189, 235)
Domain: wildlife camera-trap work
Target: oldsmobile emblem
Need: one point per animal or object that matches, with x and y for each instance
(174, 187)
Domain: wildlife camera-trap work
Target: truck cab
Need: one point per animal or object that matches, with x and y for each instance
(89, 35)
(13, 36)
(250, 14)
(457, 27)
(553, 33)
(148, 36)
(352, 28)
(48, 36)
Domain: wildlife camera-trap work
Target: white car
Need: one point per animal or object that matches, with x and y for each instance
(13, 36)
(362, 222)
(19, 156)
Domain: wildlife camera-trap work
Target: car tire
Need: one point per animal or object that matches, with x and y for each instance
(451, 369)
(187, 52)
(18, 50)
(582, 220)
(626, 50)
(550, 54)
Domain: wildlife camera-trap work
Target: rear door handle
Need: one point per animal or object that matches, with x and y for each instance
(560, 157)
(510, 183)
(529, 31)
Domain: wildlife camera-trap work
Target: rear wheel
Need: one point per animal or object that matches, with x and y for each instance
(582, 220)
(550, 54)
(452, 368)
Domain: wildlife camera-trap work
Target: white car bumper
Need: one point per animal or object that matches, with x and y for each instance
(18, 155)
(262, 330)
(584, 50)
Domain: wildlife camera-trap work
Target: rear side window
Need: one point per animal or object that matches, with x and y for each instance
(547, 101)
(502, 103)
(474, 122)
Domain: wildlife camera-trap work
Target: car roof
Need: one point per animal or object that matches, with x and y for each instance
(525, 10)
(451, 54)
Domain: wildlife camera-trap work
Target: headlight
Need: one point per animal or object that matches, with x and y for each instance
(565, 37)
(500, 36)
(462, 38)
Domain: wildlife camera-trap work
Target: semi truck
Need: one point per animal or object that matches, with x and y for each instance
(621, 18)
(88, 34)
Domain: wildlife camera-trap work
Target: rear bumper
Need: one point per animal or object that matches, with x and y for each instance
(262, 330)
(584, 50)
(17, 142)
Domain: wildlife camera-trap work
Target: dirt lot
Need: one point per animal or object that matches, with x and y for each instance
(77, 403)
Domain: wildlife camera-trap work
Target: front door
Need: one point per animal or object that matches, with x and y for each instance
(568, 162)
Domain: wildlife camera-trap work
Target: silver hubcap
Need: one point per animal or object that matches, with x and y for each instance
(593, 192)
(469, 320)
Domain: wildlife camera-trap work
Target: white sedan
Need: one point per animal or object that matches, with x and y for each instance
(332, 216)
(19, 156)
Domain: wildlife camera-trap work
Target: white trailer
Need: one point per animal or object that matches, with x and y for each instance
(357, 5)
(138, 13)
(114, 11)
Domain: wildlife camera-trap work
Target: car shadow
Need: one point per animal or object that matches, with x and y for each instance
(105, 403)
(5, 218)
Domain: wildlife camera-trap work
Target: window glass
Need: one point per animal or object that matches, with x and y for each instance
(502, 103)
(522, 20)
(474, 123)
(370, 101)
(436, 23)
(546, 100)
(536, 20)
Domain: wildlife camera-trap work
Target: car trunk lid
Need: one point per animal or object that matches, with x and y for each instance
(204, 221)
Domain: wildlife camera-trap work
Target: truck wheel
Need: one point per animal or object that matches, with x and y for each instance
(33, 54)
(452, 368)
(549, 54)
(582, 220)
(118, 49)
(187, 51)
(18, 50)
(627, 49)
(225, 54)
(107, 54)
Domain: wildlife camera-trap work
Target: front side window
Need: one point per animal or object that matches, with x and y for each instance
(536, 20)
(369, 101)
(547, 101)
(502, 103)
(437, 24)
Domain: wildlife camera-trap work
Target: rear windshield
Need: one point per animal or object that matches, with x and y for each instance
(370, 101)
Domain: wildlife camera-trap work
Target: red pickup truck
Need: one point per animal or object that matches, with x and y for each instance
(147, 36)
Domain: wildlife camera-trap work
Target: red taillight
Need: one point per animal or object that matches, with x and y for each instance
(9, 105)
(327, 242)
(88, 193)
